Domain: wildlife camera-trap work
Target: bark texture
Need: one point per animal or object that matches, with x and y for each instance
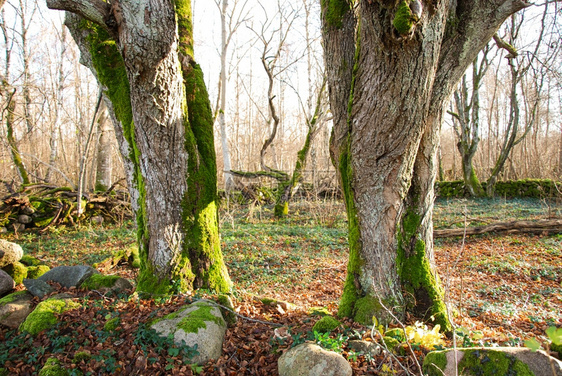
(160, 107)
(388, 107)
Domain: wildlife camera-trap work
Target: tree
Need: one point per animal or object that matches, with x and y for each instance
(392, 67)
(142, 54)
(466, 122)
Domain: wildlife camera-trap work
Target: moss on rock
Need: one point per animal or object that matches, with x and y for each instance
(318, 311)
(52, 367)
(28, 260)
(44, 315)
(10, 298)
(97, 281)
(112, 324)
(326, 324)
(196, 319)
(17, 271)
(80, 356)
(34, 272)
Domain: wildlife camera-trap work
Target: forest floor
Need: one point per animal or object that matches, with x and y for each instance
(505, 289)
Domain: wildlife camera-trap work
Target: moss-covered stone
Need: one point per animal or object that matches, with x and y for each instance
(435, 363)
(196, 319)
(80, 356)
(403, 19)
(34, 272)
(112, 324)
(97, 281)
(52, 367)
(318, 311)
(478, 362)
(10, 298)
(326, 324)
(44, 315)
(557, 347)
(228, 314)
(17, 271)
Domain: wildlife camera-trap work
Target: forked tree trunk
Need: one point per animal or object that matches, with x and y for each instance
(164, 123)
(408, 59)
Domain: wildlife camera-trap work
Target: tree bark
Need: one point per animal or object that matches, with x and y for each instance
(164, 125)
(534, 227)
(405, 68)
(104, 166)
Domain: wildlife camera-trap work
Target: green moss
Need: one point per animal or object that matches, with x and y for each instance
(391, 343)
(403, 19)
(80, 356)
(326, 324)
(318, 311)
(490, 362)
(17, 271)
(333, 12)
(421, 286)
(557, 347)
(435, 363)
(96, 281)
(281, 209)
(196, 319)
(112, 324)
(44, 315)
(34, 272)
(396, 333)
(12, 297)
(28, 260)
(351, 293)
(229, 316)
(52, 367)
(4, 372)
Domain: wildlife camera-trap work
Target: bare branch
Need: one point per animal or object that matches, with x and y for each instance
(96, 11)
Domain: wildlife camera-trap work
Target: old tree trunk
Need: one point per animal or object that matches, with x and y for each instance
(392, 67)
(141, 51)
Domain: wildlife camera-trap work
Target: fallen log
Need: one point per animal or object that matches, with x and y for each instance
(547, 226)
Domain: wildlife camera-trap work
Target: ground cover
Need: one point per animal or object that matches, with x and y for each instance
(503, 289)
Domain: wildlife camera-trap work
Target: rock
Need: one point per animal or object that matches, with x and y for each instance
(107, 283)
(3, 230)
(228, 314)
(309, 359)
(18, 227)
(25, 219)
(9, 253)
(28, 260)
(97, 220)
(44, 315)
(7, 283)
(15, 308)
(69, 276)
(28, 210)
(37, 287)
(17, 271)
(365, 347)
(326, 324)
(201, 324)
(492, 361)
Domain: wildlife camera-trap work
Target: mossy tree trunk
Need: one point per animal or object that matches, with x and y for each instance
(160, 105)
(385, 138)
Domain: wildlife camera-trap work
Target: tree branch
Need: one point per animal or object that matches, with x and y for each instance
(96, 11)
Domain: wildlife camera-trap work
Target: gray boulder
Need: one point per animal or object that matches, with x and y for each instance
(68, 276)
(365, 347)
(7, 283)
(200, 323)
(15, 308)
(491, 361)
(25, 219)
(37, 287)
(9, 253)
(309, 359)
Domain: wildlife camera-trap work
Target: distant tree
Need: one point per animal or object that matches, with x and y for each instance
(142, 54)
(392, 67)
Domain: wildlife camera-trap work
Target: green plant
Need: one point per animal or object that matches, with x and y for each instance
(333, 344)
